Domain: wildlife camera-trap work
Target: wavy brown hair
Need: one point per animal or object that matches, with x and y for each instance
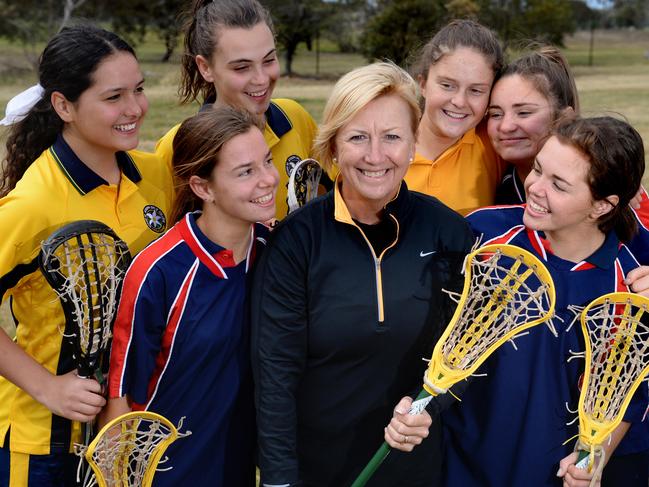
(616, 154)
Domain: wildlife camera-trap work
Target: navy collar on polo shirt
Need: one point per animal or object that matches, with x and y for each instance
(276, 119)
(81, 176)
(603, 257)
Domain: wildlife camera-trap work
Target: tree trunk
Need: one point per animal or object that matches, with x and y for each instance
(170, 45)
(288, 56)
(69, 7)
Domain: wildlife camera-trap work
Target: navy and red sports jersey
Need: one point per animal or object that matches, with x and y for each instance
(181, 349)
(511, 191)
(511, 426)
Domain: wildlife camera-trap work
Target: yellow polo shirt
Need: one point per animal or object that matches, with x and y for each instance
(289, 133)
(464, 177)
(55, 190)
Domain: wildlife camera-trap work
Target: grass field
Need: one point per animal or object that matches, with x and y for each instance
(618, 82)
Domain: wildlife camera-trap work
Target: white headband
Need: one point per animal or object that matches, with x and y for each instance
(20, 105)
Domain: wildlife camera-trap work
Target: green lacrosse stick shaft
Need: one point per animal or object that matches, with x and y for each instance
(582, 460)
(381, 454)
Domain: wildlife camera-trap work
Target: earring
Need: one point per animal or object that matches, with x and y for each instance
(334, 160)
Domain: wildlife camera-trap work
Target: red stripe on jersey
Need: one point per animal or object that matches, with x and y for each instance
(507, 236)
(492, 207)
(642, 213)
(199, 251)
(540, 245)
(169, 335)
(125, 318)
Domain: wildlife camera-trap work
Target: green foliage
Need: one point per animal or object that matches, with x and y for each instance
(297, 21)
(584, 16)
(462, 9)
(132, 18)
(630, 13)
(528, 20)
(344, 25)
(400, 27)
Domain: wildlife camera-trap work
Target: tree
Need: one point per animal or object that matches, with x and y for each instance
(630, 13)
(297, 21)
(32, 22)
(527, 20)
(344, 25)
(400, 27)
(133, 18)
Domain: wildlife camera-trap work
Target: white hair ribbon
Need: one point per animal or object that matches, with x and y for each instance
(20, 105)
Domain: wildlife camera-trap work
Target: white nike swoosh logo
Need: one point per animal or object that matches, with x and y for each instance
(425, 254)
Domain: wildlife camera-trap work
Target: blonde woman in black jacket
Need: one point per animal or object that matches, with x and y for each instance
(348, 300)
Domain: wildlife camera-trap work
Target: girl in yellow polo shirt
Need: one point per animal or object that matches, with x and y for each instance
(68, 158)
(454, 160)
(230, 58)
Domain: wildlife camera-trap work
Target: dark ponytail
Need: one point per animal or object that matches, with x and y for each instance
(66, 66)
(203, 19)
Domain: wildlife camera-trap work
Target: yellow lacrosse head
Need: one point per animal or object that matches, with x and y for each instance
(127, 450)
(506, 290)
(616, 335)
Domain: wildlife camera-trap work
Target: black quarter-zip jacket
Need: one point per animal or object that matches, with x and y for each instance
(340, 334)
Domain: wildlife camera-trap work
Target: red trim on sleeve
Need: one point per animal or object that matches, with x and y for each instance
(166, 346)
(124, 321)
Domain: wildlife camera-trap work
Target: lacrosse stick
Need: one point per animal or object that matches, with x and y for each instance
(506, 291)
(303, 183)
(127, 451)
(616, 336)
(85, 263)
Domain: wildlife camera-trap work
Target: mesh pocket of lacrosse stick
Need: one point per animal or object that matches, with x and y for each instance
(303, 183)
(127, 451)
(85, 262)
(506, 291)
(616, 336)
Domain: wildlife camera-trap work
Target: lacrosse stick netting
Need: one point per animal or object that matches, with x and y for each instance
(616, 336)
(85, 262)
(303, 183)
(506, 291)
(127, 451)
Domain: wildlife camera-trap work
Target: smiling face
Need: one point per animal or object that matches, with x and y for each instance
(373, 151)
(559, 199)
(456, 93)
(520, 118)
(107, 116)
(243, 68)
(243, 184)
